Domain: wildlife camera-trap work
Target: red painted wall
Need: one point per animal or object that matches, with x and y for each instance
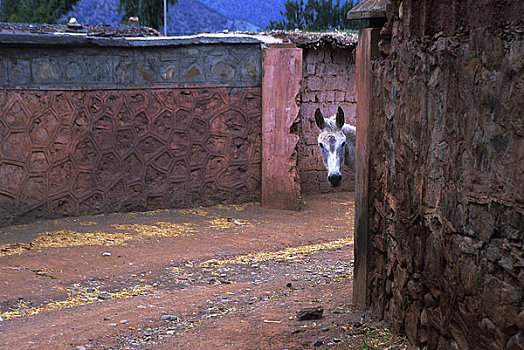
(280, 88)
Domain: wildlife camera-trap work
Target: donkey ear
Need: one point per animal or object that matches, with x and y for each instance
(340, 118)
(319, 118)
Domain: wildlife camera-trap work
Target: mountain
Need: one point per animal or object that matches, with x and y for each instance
(188, 16)
(191, 16)
(257, 12)
(93, 12)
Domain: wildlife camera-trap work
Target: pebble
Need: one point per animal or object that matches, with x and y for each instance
(124, 321)
(337, 340)
(169, 318)
(90, 290)
(310, 313)
(318, 343)
(325, 329)
(113, 324)
(80, 347)
(104, 296)
(289, 285)
(106, 254)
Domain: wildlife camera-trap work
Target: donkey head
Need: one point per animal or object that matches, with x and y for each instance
(332, 142)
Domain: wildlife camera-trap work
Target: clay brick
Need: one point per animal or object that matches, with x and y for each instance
(340, 96)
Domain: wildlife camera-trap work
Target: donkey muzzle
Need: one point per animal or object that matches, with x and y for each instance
(335, 179)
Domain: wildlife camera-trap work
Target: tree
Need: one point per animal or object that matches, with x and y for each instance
(315, 15)
(34, 11)
(149, 12)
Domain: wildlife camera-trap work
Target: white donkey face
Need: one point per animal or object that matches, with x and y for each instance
(332, 142)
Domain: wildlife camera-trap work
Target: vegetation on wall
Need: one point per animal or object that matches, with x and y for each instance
(149, 12)
(314, 15)
(34, 11)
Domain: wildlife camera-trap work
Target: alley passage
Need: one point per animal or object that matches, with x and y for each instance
(205, 278)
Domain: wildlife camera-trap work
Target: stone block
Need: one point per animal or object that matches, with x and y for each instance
(501, 302)
(315, 84)
(310, 68)
(309, 97)
(412, 321)
(520, 320)
(516, 342)
(329, 96)
(340, 96)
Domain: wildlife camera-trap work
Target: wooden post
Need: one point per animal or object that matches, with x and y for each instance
(366, 50)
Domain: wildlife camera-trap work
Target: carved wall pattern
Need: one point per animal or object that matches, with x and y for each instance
(64, 66)
(94, 151)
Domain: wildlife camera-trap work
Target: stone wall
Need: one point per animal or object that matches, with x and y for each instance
(132, 125)
(446, 200)
(328, 81)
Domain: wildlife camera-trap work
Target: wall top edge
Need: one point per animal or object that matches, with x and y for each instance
(73, 39)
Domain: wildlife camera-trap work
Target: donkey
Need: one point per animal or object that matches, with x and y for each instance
(337, 144)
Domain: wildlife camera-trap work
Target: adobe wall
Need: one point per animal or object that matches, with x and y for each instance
(94, 125)
(446, 200)
(328, 81)
(102, 122)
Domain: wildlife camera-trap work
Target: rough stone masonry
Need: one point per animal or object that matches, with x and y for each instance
(446, 194)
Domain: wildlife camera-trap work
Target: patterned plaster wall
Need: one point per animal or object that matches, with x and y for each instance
(92, 67)
(78, 135)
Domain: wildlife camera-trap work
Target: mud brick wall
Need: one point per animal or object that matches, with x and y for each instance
(89, 129)
(328, 81)
(446, 194)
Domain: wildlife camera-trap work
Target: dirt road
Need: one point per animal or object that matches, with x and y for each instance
(225, 277)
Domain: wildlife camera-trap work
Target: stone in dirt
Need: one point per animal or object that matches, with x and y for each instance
(169, 318)
(310, 313)
(104, 296)
(318, 343)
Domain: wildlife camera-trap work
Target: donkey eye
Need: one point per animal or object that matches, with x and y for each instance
(321, 145)
(343, 143)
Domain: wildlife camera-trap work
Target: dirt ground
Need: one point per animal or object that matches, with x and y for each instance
(208, 278)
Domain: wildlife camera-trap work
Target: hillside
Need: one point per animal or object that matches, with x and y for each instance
(257, 12)
(187, 17)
